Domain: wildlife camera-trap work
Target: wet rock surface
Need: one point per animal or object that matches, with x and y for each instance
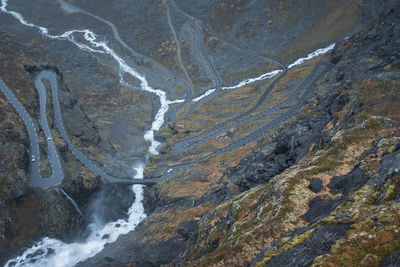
(389, 168)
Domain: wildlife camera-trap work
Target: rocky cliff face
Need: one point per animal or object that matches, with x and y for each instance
(336, 201)
(29, 213)
(316, 182)
(320, 190)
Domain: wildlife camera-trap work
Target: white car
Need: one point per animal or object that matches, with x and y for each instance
(48, 138)
(33, 158)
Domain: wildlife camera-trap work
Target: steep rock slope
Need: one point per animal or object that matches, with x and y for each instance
(322, 181)
(321, 189)
(339, 204)
(28, 213)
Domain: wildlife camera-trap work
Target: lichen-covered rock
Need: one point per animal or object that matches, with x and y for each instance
(320, 187)
(354, 141)
(358, 170)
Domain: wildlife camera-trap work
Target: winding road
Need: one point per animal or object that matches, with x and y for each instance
(34, 167)
(212, 133)
(215, 36)
(218, 80)
(319, 70)
(178, 46)
(209, 134)
(195, 25)
(180, 147)
(189, 94)
(275, 115)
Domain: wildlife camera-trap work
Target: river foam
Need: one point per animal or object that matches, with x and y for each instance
(270, 74)
(53, 252)
(312, 55)
(102, 47)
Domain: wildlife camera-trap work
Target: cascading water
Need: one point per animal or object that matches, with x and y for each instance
(271, 74)
(52, 252)
(70, 199)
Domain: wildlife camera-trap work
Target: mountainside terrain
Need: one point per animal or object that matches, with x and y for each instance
(276, 131)
(321, 190)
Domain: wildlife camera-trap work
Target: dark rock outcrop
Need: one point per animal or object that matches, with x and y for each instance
(320, 208)
(288, 148)
(318, 244)
(315, 185)
(347, 183)
(391, 261)
(328, 169)
(389, 168)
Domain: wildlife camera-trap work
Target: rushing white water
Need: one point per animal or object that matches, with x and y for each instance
(264, 76)
(208, 92)
(270, 74)
(55, 253)
(311, 56)
(103, 48)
